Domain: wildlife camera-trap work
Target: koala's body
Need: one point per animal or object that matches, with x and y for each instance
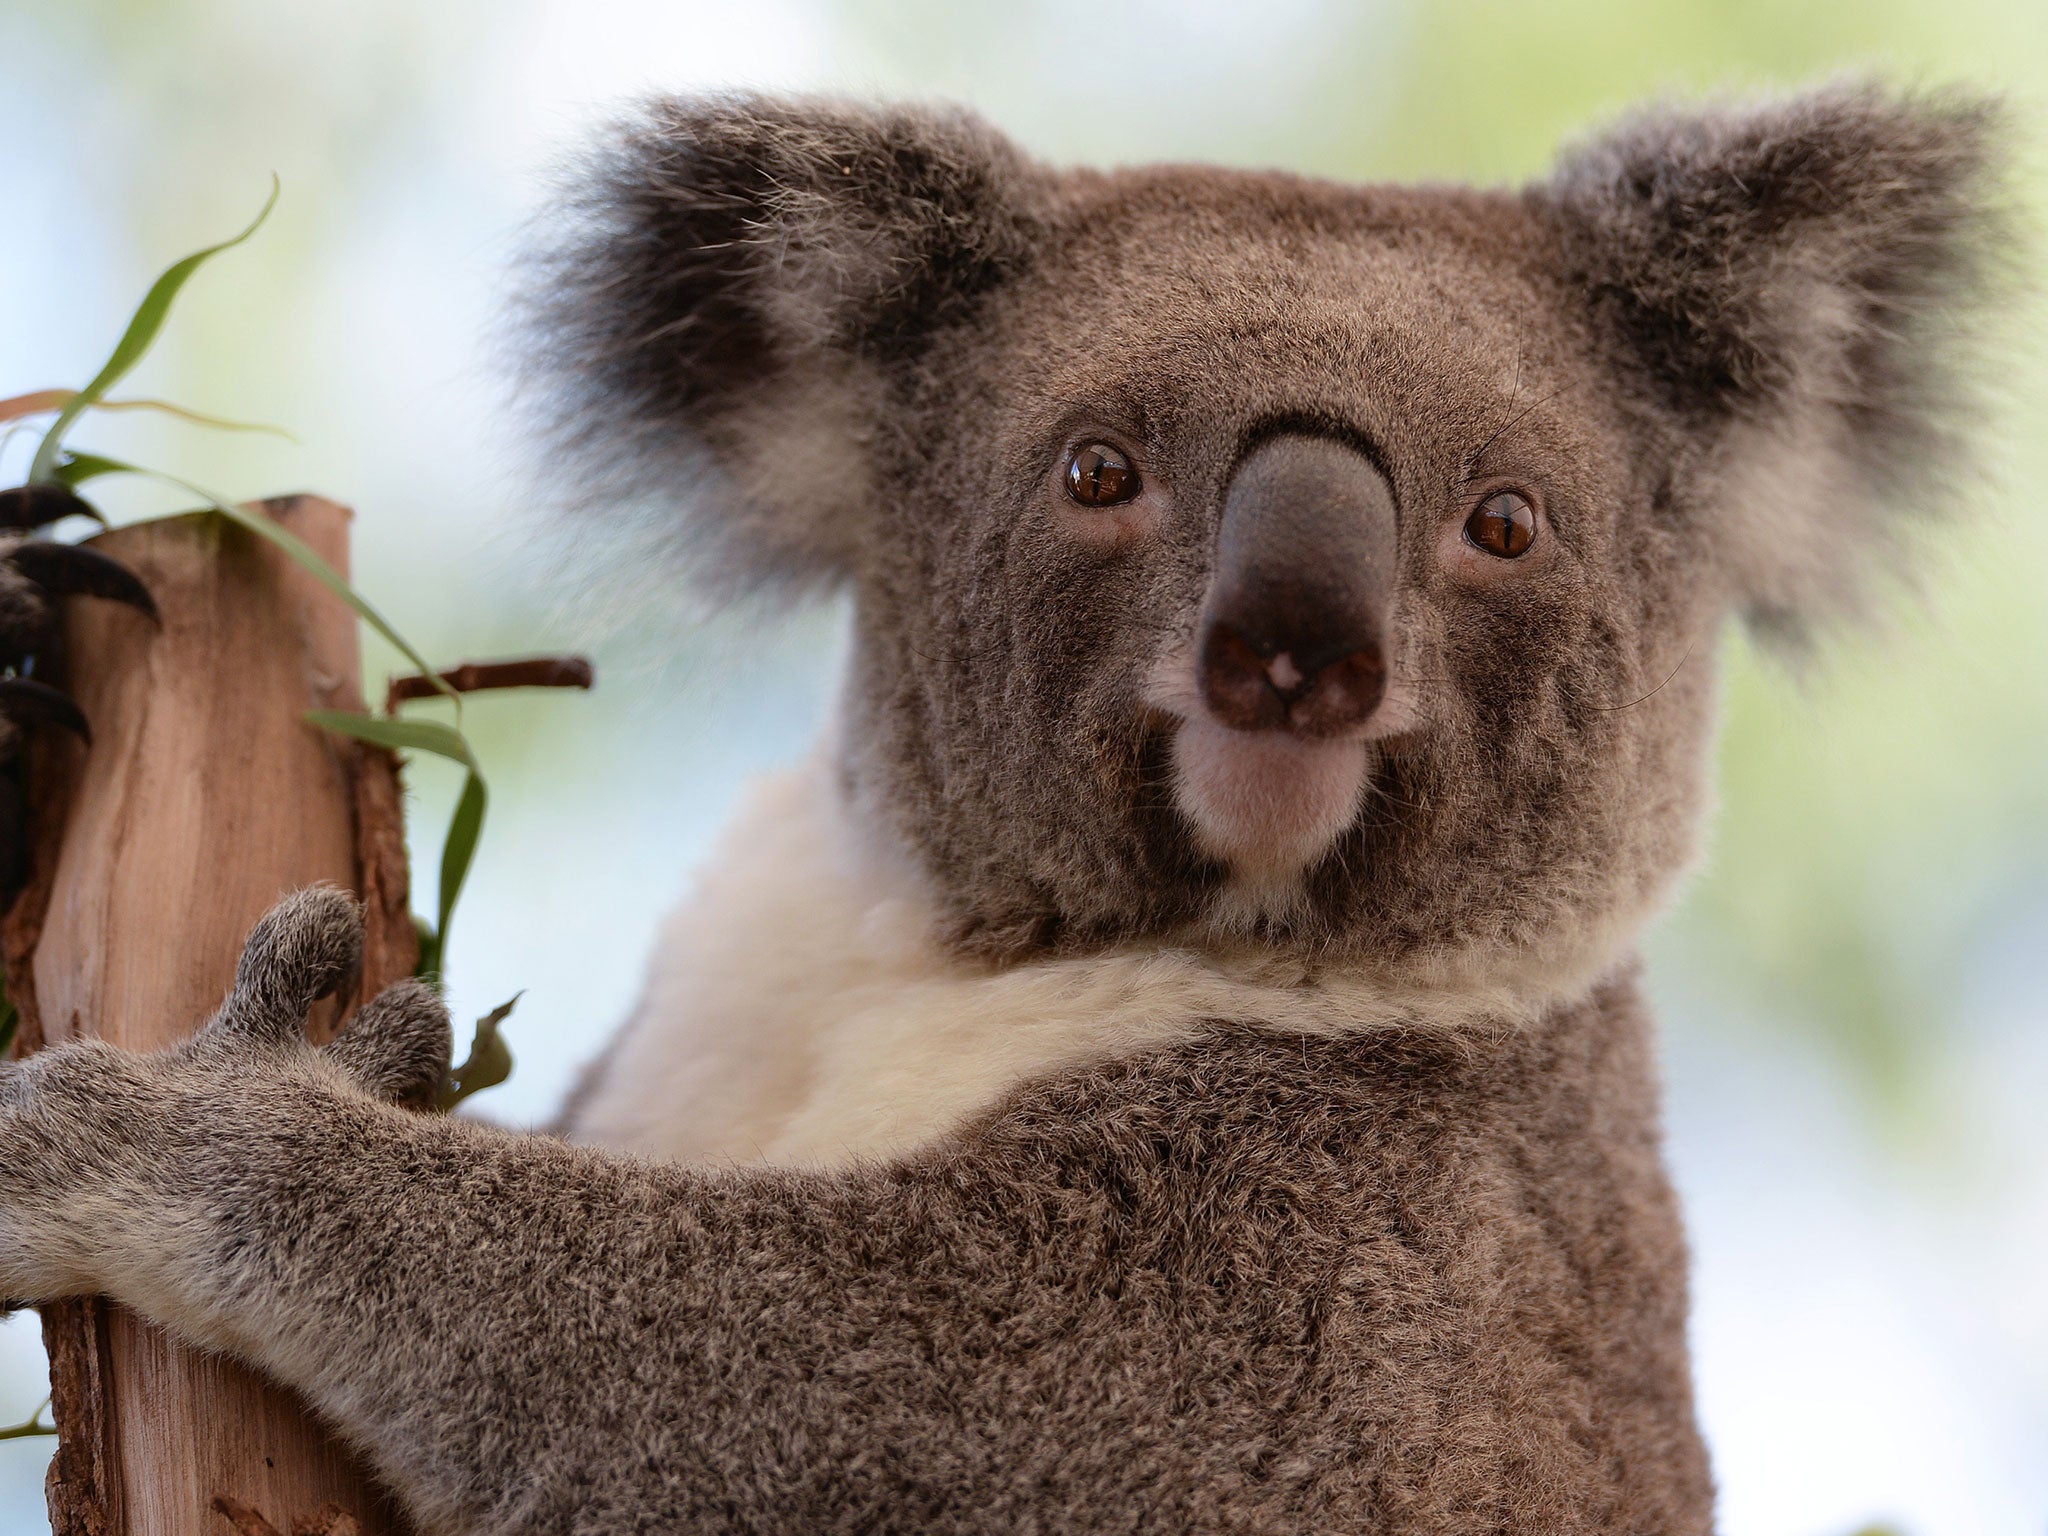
(1175, 1060)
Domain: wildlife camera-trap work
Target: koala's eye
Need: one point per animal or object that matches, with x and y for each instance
(1099, 476)
(1504, 524)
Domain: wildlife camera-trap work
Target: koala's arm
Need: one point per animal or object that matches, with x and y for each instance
(1257, 1283)
(530, 1336)
(521, 1334)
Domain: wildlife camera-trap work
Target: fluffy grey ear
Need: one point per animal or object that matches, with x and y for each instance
(1798, 282)
(746, 282)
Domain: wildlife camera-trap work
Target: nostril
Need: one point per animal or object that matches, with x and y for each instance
(1236, 684)
(1342, 694)
(1327, 695)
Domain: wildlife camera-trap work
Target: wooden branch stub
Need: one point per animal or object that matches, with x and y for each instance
(204, 797)
(481, 676)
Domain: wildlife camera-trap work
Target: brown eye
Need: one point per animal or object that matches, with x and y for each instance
(1099, 476)
(1504, 524)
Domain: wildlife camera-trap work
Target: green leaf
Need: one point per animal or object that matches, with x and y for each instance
(267, 528)
(489, 1061)
(197, 418)
(41, 401)
(35, 403)
(325, 574)
(465, 828)
(142, 331)
(399, 735)
(77, 468)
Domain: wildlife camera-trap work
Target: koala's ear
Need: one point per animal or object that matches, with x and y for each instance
(747, 282)
(1798, 282)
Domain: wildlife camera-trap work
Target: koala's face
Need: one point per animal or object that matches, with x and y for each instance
(1241, 556)
(1359, 643)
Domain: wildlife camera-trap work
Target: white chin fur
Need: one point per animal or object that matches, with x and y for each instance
(1267, 803)
(801, 1008)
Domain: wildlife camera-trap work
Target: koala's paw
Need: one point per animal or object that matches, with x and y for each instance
(115, 1166)
(308, 947)
(398, 1045)
(305, 948)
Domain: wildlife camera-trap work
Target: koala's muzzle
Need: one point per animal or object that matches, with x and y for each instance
(1293, 636)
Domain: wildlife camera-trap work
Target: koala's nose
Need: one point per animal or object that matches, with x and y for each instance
(1293, 635)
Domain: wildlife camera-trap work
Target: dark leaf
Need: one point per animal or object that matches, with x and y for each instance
(489, 1061)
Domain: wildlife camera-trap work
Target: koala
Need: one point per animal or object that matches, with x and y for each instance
(35, 575)
(1175, 1060)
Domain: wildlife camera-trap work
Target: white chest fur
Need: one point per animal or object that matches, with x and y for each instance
(798, 1010)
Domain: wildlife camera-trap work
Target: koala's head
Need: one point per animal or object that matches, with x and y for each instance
(1238, 554)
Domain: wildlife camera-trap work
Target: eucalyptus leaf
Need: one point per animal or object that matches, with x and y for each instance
(429, 966)
(35, 403)
(136, 341)
(77, 468)
(39, 401)
(489, 1061)
(197, 418)
(264, 527)
(465, 828)
(399, 735)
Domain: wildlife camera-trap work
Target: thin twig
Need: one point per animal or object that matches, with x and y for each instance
(476, 676)
(32, 1425)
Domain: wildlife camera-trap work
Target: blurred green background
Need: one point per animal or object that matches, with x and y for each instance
(1855, 991)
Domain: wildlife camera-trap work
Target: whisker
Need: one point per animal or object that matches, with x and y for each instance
(1632, 703)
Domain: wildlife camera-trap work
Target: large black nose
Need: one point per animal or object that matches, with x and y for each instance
(1293, 635)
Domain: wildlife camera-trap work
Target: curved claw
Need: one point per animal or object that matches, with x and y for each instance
(36, 506)
(73, 570)
(28, 702)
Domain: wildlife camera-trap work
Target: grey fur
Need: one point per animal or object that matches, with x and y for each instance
(307, 947)
(994, 715)
(1844, 246)
(397, 1046)
(1399, 1282)
(741, 263)
(1426, 1276)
